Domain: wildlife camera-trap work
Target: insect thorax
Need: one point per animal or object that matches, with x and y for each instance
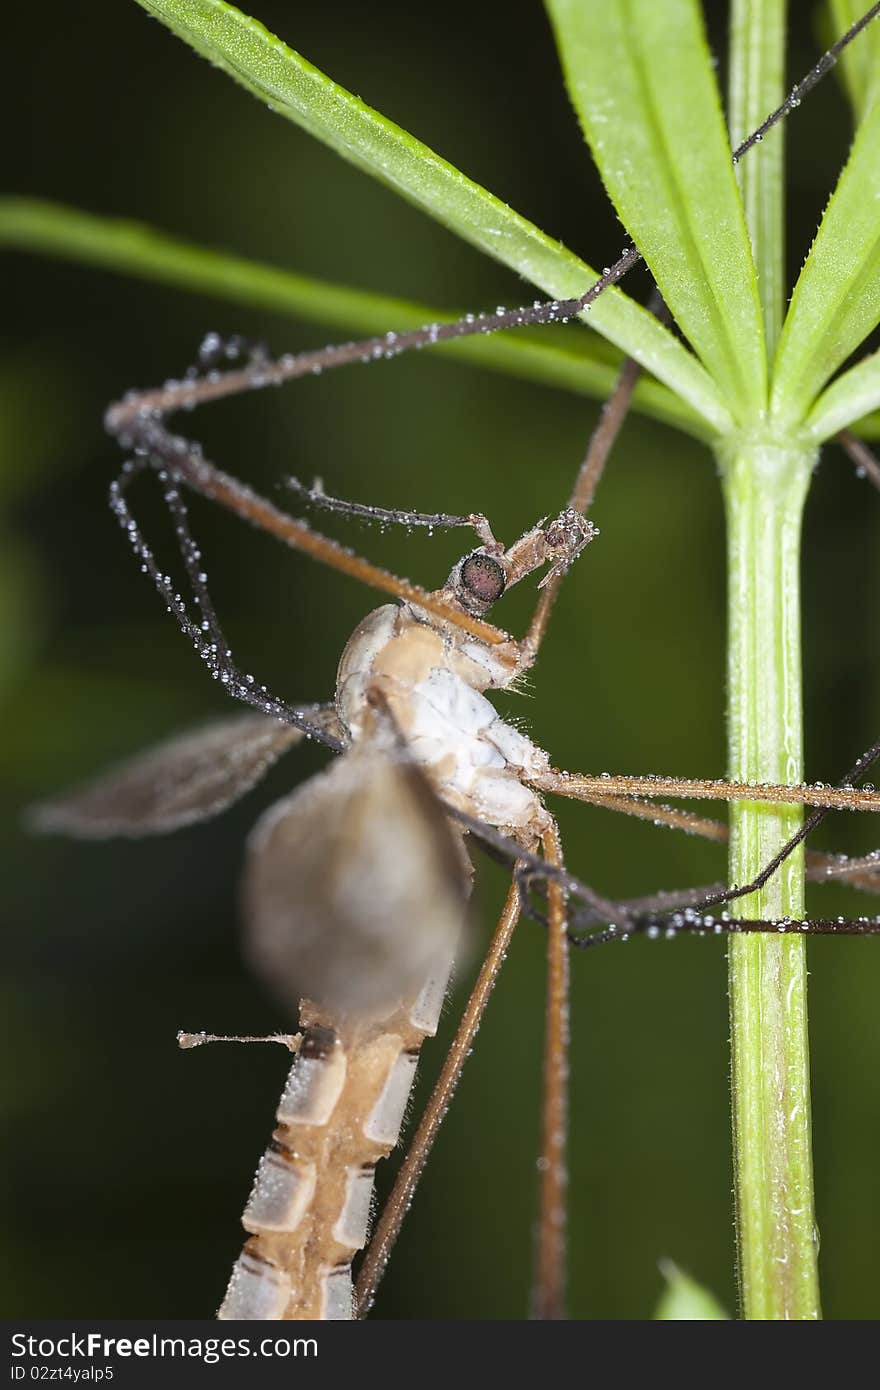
(431, 679)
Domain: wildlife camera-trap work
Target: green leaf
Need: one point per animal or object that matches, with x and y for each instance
(684, 1300)
(756, 82)
(641, 80)
(564, 357)
(836, 301)
(847, 400)
(868, 427)
(295, 89)
(860, 65)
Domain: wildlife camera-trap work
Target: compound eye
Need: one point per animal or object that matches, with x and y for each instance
(482, 580)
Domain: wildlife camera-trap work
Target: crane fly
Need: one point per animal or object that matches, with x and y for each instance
(357, 884)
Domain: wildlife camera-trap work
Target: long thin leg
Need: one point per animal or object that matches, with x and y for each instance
(691, 922)
(670, 817)
(613, 414)
(556, 545)
(602, 441)
(185, 462)
(861, 872)
(508, 850)
(205, 633)
(388, 1226)
(584, 787)
(548, 1297)
(593, 908)
(853, 777)
(122, 418)
(864, 458)
(821, 868)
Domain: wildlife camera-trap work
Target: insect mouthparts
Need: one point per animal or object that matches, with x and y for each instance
(569, 532)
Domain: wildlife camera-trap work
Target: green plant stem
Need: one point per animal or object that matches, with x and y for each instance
(765, 486)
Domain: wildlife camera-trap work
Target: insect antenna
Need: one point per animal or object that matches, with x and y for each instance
(317, 498)
(186, 463)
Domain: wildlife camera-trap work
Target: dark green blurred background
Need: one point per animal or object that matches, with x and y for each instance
(130, 1162)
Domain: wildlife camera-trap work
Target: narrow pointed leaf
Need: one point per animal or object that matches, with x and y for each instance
(868, 427)
(757, 77)
(836, 302)
(567, 358)
(860, 65)
(296, 89)
(641, 80)
(684, 1300)
(847, 400)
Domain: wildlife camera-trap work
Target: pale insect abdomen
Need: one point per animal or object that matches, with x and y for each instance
(433, 683)
(340, 1113)
(348, 1089)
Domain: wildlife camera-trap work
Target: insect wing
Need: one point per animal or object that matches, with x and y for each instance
(356, 887)
(188, 778)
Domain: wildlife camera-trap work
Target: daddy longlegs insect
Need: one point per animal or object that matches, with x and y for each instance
(349, 1060)
(425, 762)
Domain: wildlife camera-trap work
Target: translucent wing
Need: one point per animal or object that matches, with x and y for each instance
(189, 778)
(355, 887)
